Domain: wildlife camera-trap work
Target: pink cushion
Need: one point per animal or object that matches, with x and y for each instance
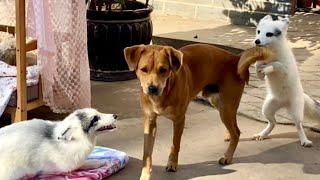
(115, 161)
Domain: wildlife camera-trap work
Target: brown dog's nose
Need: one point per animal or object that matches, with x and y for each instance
(115, 116)
(153, 90)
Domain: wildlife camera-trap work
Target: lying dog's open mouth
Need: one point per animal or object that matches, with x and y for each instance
(107, 128)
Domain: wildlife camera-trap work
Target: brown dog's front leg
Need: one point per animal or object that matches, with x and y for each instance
(178, 126)
(150, 129)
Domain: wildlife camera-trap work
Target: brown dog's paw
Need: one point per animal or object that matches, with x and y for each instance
(227, 137)
(171, 167)
(145, 174)
(145, 177)
(225, 161)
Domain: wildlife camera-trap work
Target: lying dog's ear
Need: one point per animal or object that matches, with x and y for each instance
(66, 134)
(132, 55)
(175, 58)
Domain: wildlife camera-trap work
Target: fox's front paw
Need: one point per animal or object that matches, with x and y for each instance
(262, 68)
(265, 69)
(268, 70)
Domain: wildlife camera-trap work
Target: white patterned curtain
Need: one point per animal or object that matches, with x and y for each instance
(61, 30)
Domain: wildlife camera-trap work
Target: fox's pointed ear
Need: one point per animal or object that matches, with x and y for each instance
(175, 58)
(266, 18)
(66, 134)
(285, 21)
(132, 55)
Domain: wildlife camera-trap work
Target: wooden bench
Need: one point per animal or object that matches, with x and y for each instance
(19, 109)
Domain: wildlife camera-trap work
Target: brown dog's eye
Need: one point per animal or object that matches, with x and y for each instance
(162, 70)
(144, 69)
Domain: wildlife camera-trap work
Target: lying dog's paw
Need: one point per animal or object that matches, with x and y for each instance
(171, 167)
(306, 143)
(225, 161)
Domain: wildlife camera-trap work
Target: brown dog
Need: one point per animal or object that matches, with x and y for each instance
(171, 78)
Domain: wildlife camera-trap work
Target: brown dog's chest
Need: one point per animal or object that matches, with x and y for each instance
(164, 108)
(167, 111)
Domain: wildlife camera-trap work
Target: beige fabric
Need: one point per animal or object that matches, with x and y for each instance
(7, 12)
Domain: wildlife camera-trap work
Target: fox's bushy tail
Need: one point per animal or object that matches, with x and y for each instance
(311, 108)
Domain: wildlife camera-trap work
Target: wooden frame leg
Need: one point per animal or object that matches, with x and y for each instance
(13, 117)
(20, 115)
(21, 111)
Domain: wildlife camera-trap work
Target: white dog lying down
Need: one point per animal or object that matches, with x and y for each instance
(29, 147)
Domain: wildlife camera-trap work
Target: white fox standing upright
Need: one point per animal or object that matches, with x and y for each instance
(284, 89)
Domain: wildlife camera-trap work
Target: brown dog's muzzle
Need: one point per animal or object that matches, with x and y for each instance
(153, 90)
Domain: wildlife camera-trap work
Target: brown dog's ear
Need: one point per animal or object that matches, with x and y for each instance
(175, 58)
(132, 55)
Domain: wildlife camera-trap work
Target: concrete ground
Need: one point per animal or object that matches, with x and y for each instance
(280, 157)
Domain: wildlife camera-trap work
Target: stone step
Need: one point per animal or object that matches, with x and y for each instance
(236, 12)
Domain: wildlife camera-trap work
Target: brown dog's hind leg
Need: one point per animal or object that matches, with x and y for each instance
(178, 126)
(150, 129)
(228, 118)
(229, 102)
(227, 136)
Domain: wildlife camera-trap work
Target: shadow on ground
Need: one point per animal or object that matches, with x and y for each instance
(288, 153)
(185, 171)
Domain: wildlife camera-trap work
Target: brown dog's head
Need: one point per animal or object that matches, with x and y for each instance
(153, 65)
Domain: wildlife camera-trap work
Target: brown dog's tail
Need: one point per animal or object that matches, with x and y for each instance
(250, 56)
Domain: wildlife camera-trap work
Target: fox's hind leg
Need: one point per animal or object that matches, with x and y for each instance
(296, 110)
(269, 109)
